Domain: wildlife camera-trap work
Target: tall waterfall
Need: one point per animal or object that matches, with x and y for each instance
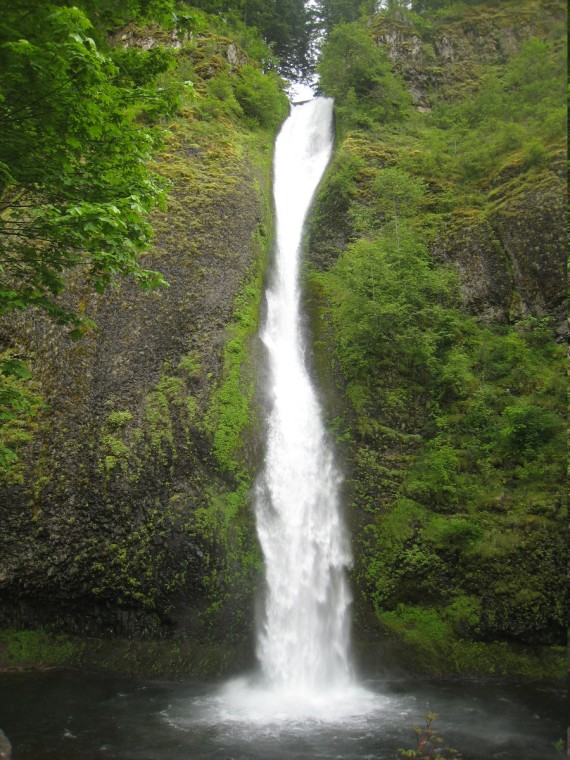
(303, 638)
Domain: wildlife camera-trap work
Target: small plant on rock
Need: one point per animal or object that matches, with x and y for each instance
(429, 744)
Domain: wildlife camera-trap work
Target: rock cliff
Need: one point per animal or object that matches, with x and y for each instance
(512, 259)
(128, 513)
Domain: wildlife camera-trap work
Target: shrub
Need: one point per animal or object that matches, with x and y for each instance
(261, 96)
(526, 427)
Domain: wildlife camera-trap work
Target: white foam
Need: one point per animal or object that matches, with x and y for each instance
(247, 703)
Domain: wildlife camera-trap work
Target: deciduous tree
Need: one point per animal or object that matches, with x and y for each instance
(75, 187)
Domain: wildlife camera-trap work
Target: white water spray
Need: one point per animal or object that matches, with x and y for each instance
(304, 637)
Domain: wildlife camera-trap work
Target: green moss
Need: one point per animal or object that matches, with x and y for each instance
(430, 646)
(42, 648)
(114, 453)
(34, 648)
(119, 419)
(230, 414)
(190, 365)
(21, 407)
(159, 426)
(131, 569)
(226, 522)
(115, 446)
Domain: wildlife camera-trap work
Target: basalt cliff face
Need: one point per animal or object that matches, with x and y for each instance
(511, 259)
(128, 512)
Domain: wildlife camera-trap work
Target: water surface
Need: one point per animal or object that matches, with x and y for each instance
(71, 715)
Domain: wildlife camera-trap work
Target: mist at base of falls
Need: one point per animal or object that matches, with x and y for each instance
(250, 701)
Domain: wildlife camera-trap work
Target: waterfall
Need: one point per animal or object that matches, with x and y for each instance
(303, 638)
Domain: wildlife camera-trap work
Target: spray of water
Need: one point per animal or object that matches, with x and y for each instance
(303, 638)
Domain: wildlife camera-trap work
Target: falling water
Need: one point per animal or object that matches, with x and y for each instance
(303, 638)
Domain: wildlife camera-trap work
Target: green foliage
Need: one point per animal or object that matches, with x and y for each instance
(355, 72)
(422, 626)
(433, 645)
(75, 189)
(436, 479)
(402, 305)
(335, 12)
(111, 14)
(514, 117)
(19, 403)
(134, 657)
(454, 534)
(287, 25)
(489, 445)
(398, 192)
(137, 68)
(249, 93)
(221, 97)
(527, 428)
(284, 25)
(35, 648)
(260, 97)
(396, 195)
(455, 426)
(340, 186)
(230, 415)
(119, 419)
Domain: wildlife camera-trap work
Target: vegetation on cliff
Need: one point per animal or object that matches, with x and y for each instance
(75, 184)
(454, 415)
(127, 511)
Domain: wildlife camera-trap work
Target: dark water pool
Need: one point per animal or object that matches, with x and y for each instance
(70, 715)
